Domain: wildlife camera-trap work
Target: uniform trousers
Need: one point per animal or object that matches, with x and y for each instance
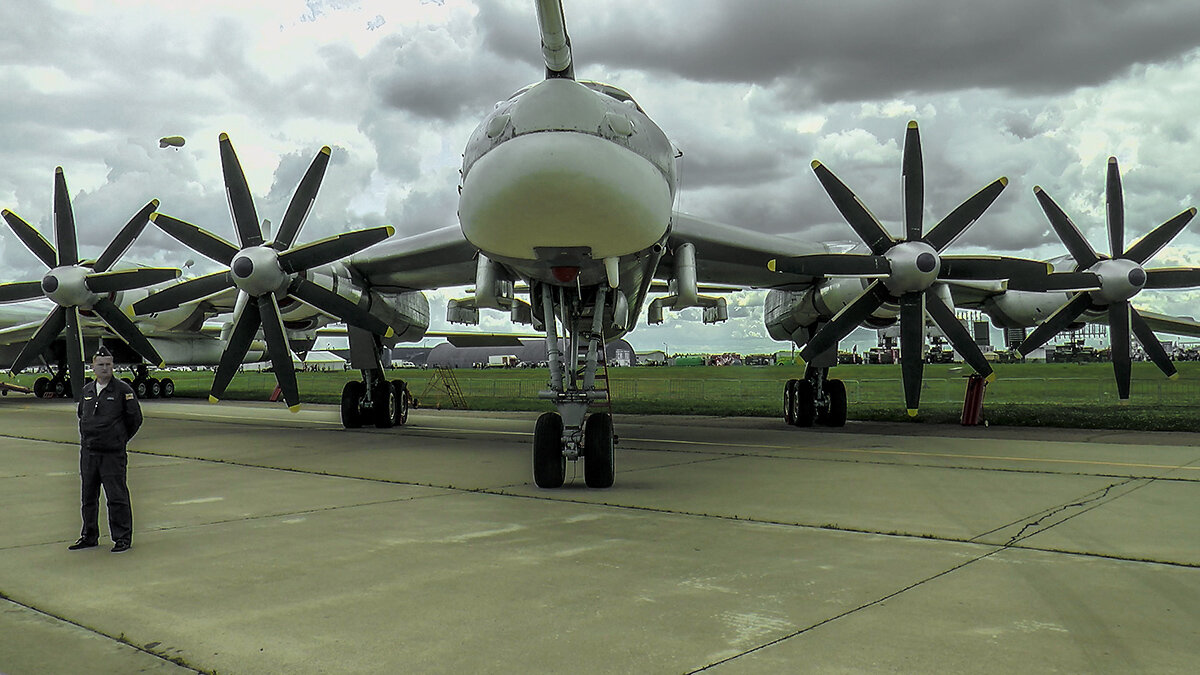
(107, 469)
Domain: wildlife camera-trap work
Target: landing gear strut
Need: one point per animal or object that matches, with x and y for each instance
(816, 399)
(571, 433)
(145, 386)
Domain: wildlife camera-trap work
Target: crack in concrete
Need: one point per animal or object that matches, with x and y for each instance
(1076, 504)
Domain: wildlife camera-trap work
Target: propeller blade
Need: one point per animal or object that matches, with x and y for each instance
(1118, 335)
(241, 204)
(912, 348)
(201, 241)
(244, 329)
(857, 215)
(833, 264)
(46, 334)
(64, 223)
(988, 267)
(1115, 204)
(33, 240)
(124, 280)
(1085, 256)
(74, 351)
(20, 290)
(124, 239)
(335, 305)
(277, 346)
(124, 327)
(913, 173)
(302, 202)
(1059, 281)
(1150, 343)
(845, 321)
(332, 248)
(958, 335)
(183, 293)
(1152, 243)
(1173, 277)
(1056, 323)
(962, 217)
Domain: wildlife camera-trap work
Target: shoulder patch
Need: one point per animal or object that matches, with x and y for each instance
(128, 397)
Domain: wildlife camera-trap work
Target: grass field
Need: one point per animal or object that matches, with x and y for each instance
(1024, 394)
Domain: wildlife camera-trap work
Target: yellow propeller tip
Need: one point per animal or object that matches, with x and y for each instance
(58, 170)
(213, 399)
(771, 264)
(390, 230)
(1173, 376)
(294, 408)
(1112, 160)
(1123, 401)
(163, 364)
(816, 163)
(1193, 210)
(153, 216)
(990, 378)
(1037, 189)
(389, 332)
(1004, 180)
(155, 202)
(6, 213)
(912, 412)
(223, 137)
(325, 150)
(912, 124)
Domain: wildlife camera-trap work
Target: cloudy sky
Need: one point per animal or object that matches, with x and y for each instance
(750, 90)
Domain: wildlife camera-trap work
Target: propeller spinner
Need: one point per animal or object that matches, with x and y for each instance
(1121, 277)
(74, 284)
(265, 272)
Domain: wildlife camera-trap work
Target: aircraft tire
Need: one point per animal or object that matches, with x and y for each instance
(401, 416)
(804, 408)
(41, 386)
(835, 416)
(141, 388)
(61, 388)
(598, 469)
(155, 387)
(383, 405)
(789, 398)
(549, 464)
(351, 399)
(168, 387)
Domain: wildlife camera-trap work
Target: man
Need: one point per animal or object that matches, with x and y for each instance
(109, 415)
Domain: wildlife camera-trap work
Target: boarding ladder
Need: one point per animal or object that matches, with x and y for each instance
(444, 380)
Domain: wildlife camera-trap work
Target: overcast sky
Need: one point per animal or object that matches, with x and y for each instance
(750, 91)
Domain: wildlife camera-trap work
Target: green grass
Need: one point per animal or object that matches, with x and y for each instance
(1024, 394)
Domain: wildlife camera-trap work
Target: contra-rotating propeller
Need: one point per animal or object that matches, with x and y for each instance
(77, 285)
(905, 271)
(265, 272)
(1121, 276)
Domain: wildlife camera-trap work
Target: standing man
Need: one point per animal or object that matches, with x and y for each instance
(109, 415)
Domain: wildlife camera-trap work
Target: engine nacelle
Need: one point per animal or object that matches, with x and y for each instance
(791, 315)
(1022, 309)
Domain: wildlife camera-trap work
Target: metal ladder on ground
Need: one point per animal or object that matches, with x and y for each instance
(444, 380)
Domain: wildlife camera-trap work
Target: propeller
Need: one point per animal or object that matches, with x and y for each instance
(265, 272)
(906, 270)
(77, 285)
(1121, 277)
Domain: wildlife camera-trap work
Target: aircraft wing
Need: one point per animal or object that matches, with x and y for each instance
(425, 261)
(735, 256)
(1172, 325)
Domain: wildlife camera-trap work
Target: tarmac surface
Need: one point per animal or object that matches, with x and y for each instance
(267, 542)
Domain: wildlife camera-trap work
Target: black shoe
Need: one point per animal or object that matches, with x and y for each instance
(82, 543)
(120, 547)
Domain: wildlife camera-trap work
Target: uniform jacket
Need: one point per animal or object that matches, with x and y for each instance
(108, 421)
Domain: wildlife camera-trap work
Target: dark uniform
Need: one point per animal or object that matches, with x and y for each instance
(106, 423)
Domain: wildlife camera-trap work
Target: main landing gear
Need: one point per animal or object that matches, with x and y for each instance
(375, 400)
(145, 386)
(571, 433)
(816, 399)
